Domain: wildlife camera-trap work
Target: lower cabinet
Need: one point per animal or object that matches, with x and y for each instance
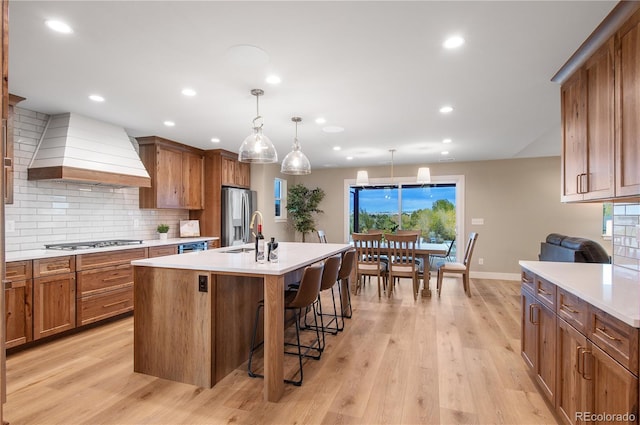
(18, 300)
(54, 304)
(587, 369)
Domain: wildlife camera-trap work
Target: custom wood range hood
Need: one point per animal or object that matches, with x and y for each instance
(75, 148)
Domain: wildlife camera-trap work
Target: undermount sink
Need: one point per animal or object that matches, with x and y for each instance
(238, 250)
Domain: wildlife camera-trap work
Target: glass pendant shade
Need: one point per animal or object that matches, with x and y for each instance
(296, 163)
(424, 175)
(362, 179)
(257, 149)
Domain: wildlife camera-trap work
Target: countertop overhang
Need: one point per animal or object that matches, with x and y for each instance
(613, 289)
(291, 256)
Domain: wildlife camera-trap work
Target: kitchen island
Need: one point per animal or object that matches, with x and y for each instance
(194, 312)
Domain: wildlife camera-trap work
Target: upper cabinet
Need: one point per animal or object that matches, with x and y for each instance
(177, 174)
(7, 140)
(600, 102)
(234, 172)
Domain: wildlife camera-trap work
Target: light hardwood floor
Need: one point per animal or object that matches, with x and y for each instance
(449, 360)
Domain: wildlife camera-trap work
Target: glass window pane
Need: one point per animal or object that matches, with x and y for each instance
(378, 208)
(430, 209)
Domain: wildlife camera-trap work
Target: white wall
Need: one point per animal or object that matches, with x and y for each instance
(48, 212)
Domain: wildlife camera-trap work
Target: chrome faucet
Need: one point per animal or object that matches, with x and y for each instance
(255, 214)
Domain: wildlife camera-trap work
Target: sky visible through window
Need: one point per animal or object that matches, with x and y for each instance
(413, 198)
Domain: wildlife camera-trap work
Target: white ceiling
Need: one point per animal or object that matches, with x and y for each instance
(376, 68)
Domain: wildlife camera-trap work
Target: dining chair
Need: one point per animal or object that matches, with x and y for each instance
(402, 259)
(447, 257)
(460, 268)
(368, 261)
(295, 302)
(322, 236)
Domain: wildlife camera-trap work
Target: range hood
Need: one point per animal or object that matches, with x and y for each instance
(78, 149)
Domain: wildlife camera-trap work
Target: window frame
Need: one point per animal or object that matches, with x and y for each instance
(282, 197)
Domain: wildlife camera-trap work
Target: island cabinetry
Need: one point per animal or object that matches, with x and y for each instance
(54, 296)
(594, 362)
(18, 293)
(105, 284)
(176, 171)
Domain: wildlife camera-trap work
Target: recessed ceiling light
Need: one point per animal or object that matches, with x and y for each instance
(349, 158)
(446, 140)
(336, 148)
(169, 123)
(96, 98)
(444, 153)
(59, 26)
(446, 109)
(332, 129)
(215, 140)
(320, 120)
(453, 42)
(188, 92)
(273, 79)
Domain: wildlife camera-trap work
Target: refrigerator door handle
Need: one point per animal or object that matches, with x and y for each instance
(245, 221)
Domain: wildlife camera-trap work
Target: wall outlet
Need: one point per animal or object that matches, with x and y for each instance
(203, 284)
(481, 261)
(477, 221)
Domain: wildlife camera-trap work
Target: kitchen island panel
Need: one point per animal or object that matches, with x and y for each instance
(173, 328)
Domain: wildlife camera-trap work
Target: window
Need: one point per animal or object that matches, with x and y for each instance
(280, 199)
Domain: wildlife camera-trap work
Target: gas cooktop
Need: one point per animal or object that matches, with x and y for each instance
(93, 244)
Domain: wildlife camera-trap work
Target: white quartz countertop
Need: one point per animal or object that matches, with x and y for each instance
(33, 254)
(613, 289)
(291, 256)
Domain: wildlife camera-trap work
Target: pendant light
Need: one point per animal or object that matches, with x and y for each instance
(362, 178)
(424, 175)
(257, 148)
(296, 162)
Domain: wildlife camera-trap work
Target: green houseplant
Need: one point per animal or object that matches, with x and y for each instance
(162, 229)
(302, 204)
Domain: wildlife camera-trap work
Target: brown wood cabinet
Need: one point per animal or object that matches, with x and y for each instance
(600, 102)
(161, 251)
(54, 298)
(18, 293)
(7, 140)
(177, 174)
(105, 284)
(221, 169)
(593, 361)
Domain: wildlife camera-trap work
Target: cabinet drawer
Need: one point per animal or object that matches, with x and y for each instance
(109, 258)
(160, 251)
(18, 270)
(213, 244)
(50, 266)
(614, 337)
(94, 281)
(528, 280)
(98, 307)
(546, 293)
(572, 309)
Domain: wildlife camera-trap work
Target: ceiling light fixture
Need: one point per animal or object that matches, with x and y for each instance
(59, 26)
(296, 163)
(320, 120)
(169, 123)
(257, 148)
(424, 175)
(453, 42)
(188, 92)
(446, 109)
(362, 179)
(273, 79)
(215, 140)
(444, 153)
(336, 148)
(96, 98)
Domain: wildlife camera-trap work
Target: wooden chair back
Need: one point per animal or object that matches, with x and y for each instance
(322, 236)
(368, 252)
(468, 251)
(402, 249)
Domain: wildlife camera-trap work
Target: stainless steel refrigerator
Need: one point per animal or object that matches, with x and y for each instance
(237, 207)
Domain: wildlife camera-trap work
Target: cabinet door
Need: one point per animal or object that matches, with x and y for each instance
(228, 169)
(574, 127)
(574, 390)
(546, 350)
(169, 178)
(598, 182)
(18, 319)
(615, 388)
(628, 109)
(193, 180)
(243, 174)
(54, 304)
(528, 339)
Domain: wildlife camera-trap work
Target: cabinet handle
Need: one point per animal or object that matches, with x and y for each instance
(579, 357)
(584, 359)
(525, 280)
(108, 279)
(543, 292)
(604, 332)
(531, 308)
(568, 308)
(115, 303)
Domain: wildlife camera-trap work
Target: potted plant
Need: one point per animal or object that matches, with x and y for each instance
(162, 230)
(302, 203)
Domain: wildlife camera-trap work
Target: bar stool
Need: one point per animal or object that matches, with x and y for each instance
(294, 301)
(329, 280)
(344, 279)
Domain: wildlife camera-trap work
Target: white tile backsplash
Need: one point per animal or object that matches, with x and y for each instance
(52, 212)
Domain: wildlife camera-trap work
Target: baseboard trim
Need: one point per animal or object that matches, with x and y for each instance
(493, 275)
